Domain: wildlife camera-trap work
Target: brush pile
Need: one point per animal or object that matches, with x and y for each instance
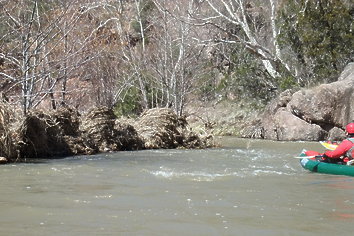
(162, 128)
(65, 132)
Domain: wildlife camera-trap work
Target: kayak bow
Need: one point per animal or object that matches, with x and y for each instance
(326, 168)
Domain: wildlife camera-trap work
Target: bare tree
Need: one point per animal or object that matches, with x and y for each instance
(55, 41)
(237, 19)
(176, 62)
(24, 27)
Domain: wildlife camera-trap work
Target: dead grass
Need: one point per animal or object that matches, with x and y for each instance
(9, 126)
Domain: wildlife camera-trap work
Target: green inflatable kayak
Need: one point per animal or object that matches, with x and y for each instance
(327, 168)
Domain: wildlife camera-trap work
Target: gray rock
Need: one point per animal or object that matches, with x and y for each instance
(312, 114)
(288, 127)
(336, 134)
(348, 72)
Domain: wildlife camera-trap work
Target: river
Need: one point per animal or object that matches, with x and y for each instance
(244, 187)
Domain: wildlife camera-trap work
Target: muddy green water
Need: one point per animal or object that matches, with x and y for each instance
(246, 187)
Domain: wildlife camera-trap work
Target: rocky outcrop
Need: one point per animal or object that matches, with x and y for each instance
(312, 114)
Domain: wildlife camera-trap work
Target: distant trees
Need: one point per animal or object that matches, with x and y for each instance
(249, 30)
(44, 44)
(318, 37)
(268, 46)
(248, 23)
(178, 63)
(161, 56)
(38, 49)
(139, 54)
(25, 49)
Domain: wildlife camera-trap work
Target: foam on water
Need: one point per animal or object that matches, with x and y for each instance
(193, 175)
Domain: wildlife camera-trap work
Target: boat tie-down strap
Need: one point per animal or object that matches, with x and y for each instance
(315, 168)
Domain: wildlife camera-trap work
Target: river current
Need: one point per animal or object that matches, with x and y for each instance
(244, 187)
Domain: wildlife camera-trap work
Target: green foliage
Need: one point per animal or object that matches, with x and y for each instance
(130, 106)
(320, 33)
(135, 26)
(44, 6)
(247, 78)
(4, 29)
(207, 90)
(223, 84)
(287, 82)
(241, 77)
(207, 83)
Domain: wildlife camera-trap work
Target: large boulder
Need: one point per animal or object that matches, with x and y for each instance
(268, 124)
(292, 128)
(312, 114)
(330, 104)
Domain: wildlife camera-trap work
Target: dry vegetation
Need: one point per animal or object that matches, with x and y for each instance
(63, 132)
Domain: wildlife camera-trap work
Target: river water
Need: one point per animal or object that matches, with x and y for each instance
(245, 187)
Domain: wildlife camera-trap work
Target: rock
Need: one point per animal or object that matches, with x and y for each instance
(281, 101)
(336, 134)
(292, 128)
(348, 72)
(312, 114)
(268, 126)
(327, 103)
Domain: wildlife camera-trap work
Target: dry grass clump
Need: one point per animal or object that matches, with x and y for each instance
(108, 134)
(52, 133)
(127, 136)
(64, 132)
(41, 136)
(9, 124)
(162, 128)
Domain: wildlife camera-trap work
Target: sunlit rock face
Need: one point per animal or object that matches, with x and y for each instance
(312, 114)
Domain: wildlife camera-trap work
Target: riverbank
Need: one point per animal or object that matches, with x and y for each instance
(223, 118)
(307, 114)
(66, 132)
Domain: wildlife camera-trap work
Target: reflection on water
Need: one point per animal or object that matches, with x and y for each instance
(245, 187)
